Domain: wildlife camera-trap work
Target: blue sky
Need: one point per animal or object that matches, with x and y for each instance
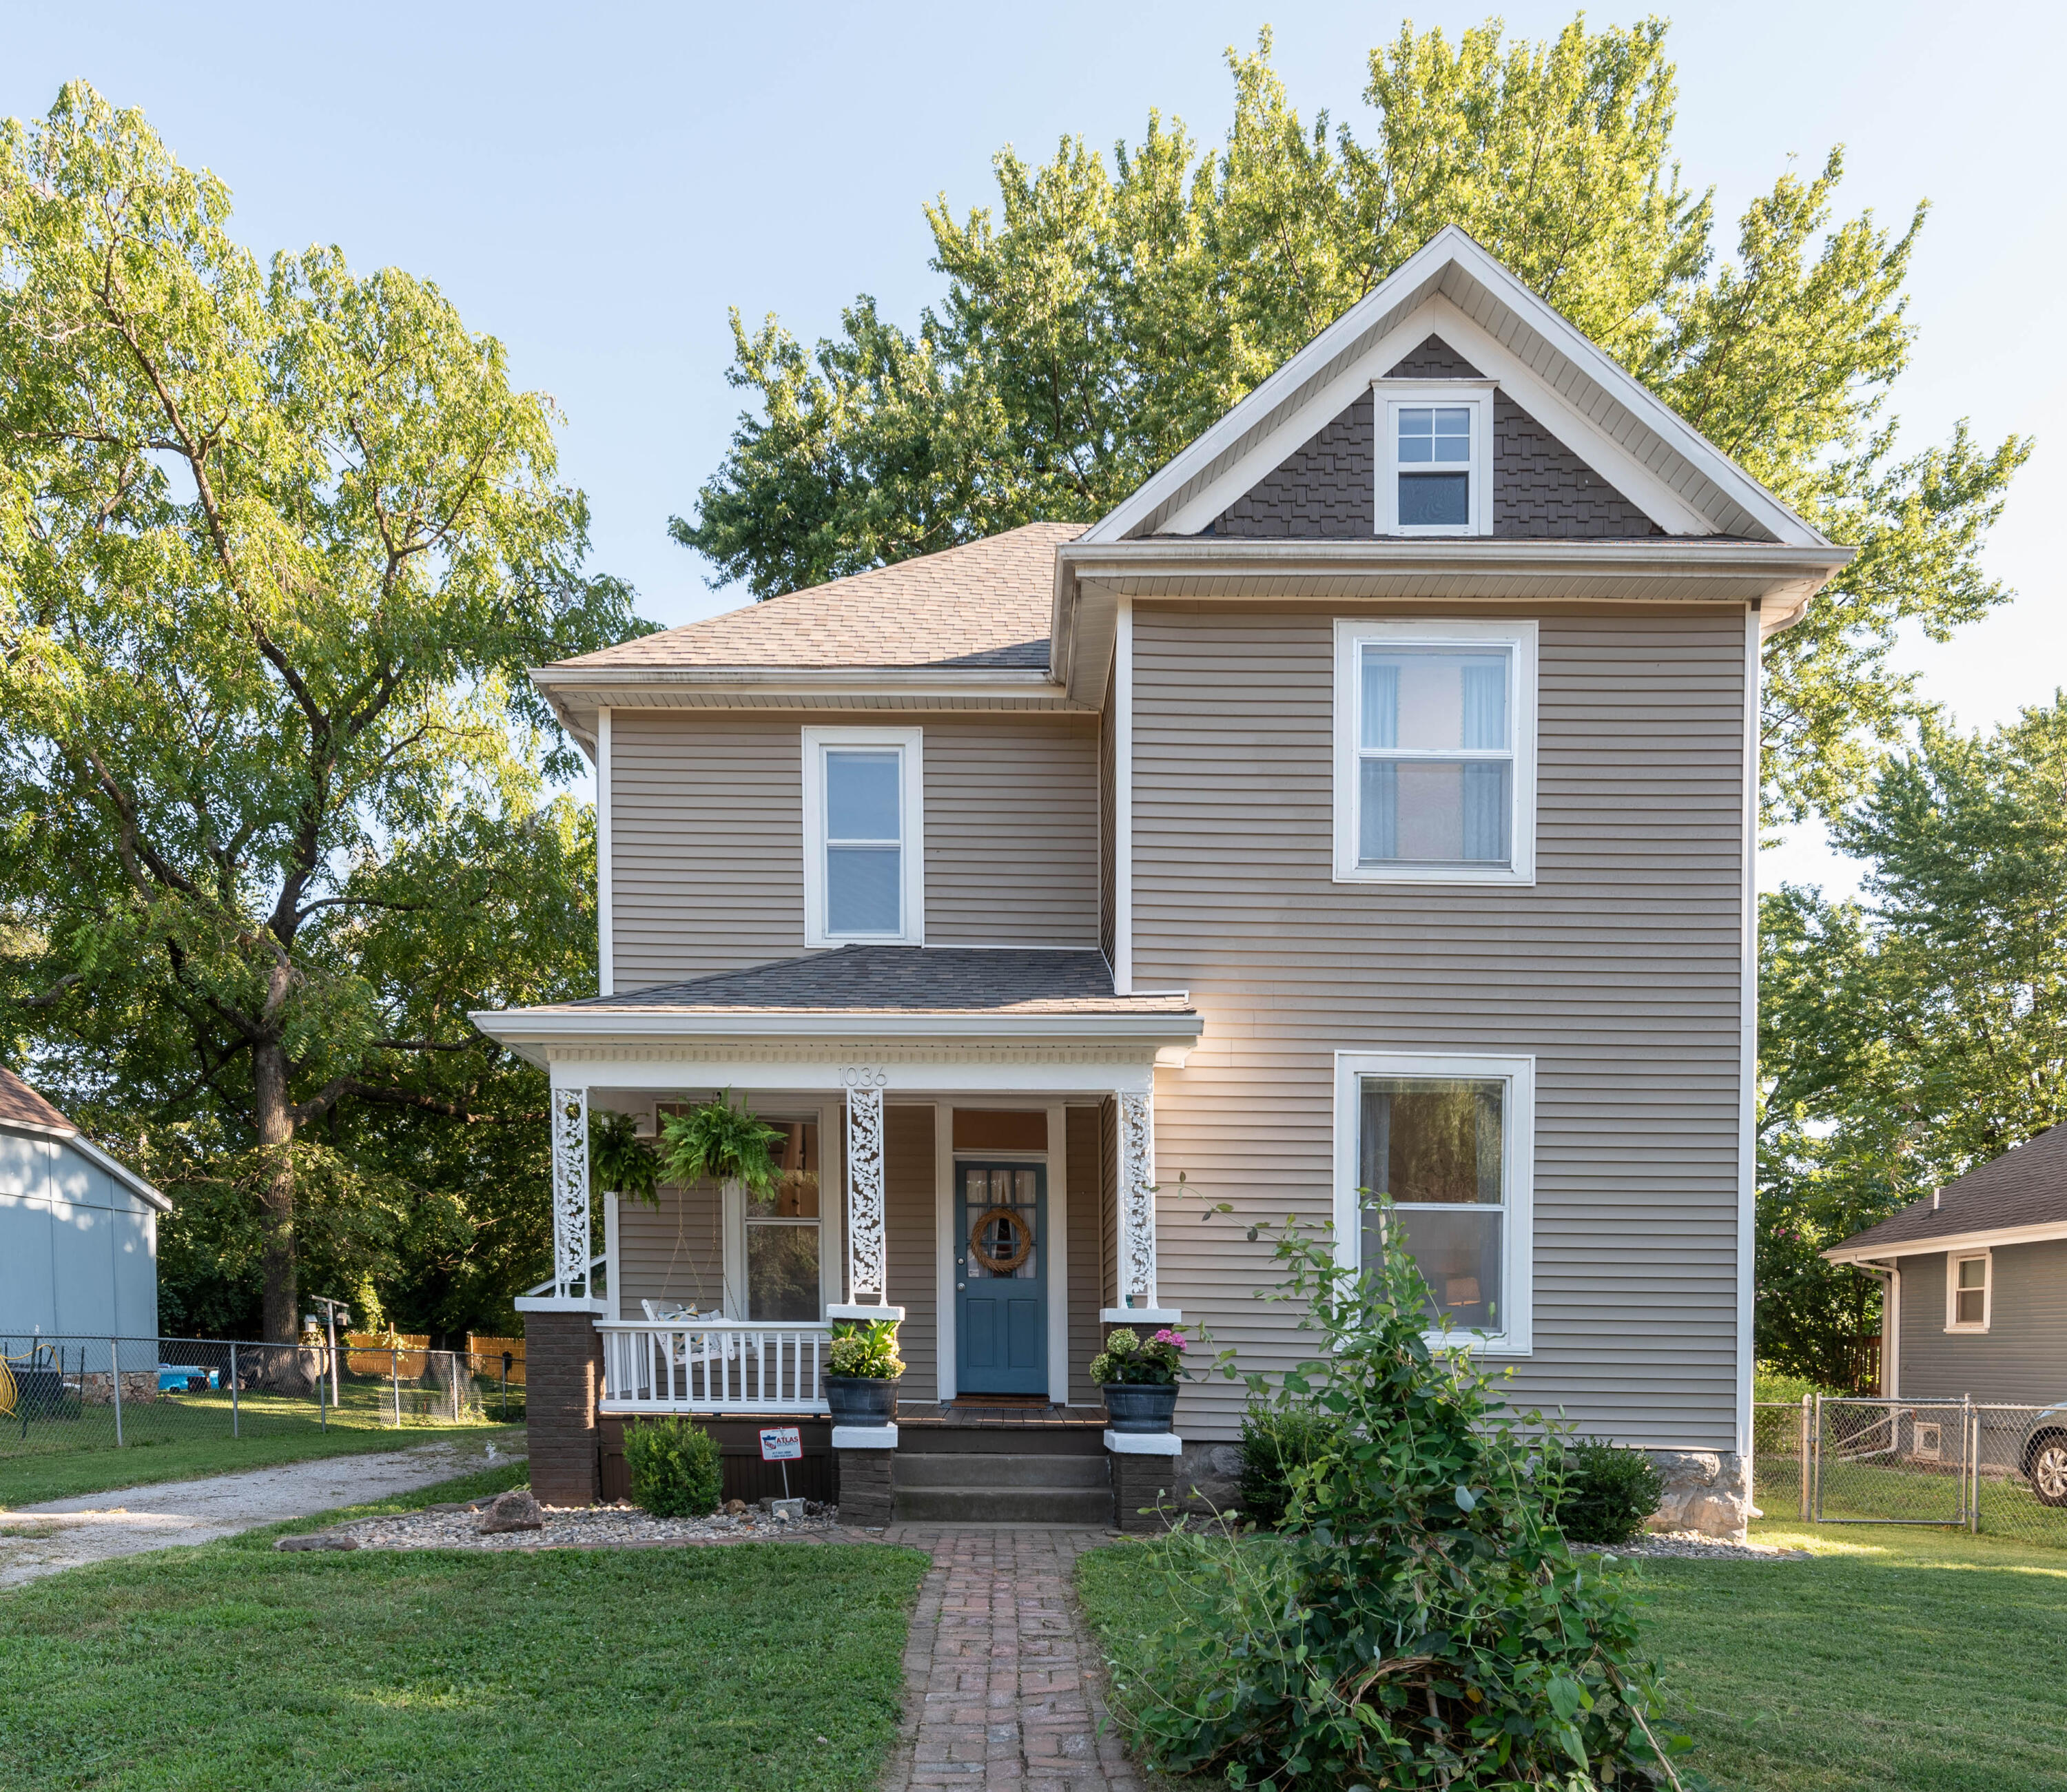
(595, 185)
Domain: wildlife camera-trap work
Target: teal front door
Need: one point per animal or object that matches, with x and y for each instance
(1001, 1279)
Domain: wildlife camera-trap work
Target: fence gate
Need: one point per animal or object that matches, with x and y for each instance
(1891, 1462)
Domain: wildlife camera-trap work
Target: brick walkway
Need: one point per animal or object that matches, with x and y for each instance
(1000, 1681)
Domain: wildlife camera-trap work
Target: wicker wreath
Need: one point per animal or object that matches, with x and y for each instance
(1001, 1265)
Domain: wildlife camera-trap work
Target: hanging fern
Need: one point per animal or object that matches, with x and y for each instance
(618, 1163)
(722, 1142)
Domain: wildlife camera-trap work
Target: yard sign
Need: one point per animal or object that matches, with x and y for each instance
(782, 1444)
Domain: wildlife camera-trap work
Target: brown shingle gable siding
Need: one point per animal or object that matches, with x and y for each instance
(1327, 490)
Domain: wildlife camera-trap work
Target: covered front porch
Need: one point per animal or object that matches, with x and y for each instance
(983, 1175)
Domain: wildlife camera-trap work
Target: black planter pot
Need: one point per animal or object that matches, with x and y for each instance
(1139, 1406)
(861, 1400)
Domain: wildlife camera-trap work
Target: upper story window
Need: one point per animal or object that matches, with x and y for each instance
(1435, 752)
(1448, 1141)
(1434, 466)
(1967, 1292)
(864, 851)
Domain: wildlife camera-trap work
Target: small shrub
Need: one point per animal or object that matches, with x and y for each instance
(674, 1468)
(1607, 1492)
(1277, 1442)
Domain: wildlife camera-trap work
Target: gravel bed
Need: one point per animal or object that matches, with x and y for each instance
(1692, 1546)
(458, 1527)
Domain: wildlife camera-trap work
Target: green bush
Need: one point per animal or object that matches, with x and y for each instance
(1607, 1492)
(1276, 1443)
(1421, 1622)
(674, 1468)
(867, 1351)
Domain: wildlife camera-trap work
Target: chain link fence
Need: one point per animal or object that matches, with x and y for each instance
(59, 1395)
(1986, 1468)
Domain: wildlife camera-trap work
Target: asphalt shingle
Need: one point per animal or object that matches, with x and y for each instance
(2024, 1187)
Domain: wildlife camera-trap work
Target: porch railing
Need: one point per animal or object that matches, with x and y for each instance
(713, 1366)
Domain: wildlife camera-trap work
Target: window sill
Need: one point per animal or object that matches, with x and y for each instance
(1966, 1331)
(1478, 1343)
(1433, 874)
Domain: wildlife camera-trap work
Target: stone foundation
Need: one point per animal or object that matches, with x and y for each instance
(864, 1487)
(1708, 1491)
(1150, 1493)
(563, 1368)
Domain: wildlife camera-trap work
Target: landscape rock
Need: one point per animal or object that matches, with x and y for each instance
(515, 1510)
(319, 1540)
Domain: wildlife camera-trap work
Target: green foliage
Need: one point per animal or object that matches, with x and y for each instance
(1107, 313)
(1129, 1359)
(619, 1160)
(866, 1348)
(1422, 1621)
(1905, 1039)
(722, 1142)
(674, 1468)
(1605, 1492)
(277, 542)
(1278, 1445)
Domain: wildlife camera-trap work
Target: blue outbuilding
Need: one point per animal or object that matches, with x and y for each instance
(79, 1232)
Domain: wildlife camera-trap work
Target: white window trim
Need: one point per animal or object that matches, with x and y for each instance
(911, 742)
(1518, 1263)
(1953, 1260)
(1387, 396)
(1519, 638)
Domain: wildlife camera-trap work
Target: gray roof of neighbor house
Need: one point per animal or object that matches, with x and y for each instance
(2026, 1187)
(21, 1106)
(985, 603)
(914, 980)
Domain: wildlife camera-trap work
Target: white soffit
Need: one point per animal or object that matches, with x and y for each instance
(1453, 288)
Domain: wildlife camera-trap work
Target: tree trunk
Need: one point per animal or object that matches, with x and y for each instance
(276, 1137)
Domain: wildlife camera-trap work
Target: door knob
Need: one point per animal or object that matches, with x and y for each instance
(959, 1286)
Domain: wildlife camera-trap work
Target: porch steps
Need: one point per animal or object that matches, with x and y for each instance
(977, 1487)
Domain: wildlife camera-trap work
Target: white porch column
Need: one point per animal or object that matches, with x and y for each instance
(1137, 1215)
(571, 1214)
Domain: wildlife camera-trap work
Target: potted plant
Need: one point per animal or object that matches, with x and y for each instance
(726, 1143)
(863, 1363)
(1138, 1380)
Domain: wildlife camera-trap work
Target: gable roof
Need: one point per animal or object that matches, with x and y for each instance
(2023, 1190)
(23, 1109)
(982, 604)
(1454, 286)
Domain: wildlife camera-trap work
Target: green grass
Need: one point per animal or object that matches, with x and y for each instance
(230, 1665)
(1926, 1661)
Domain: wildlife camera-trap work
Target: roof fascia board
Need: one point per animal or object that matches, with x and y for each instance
(508, 1026)
(981, 680)
(1980, 1237)
(1647, 555)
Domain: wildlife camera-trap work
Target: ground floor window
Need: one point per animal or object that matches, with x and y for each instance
(1967, 1294)
(782, 1230)
(1448, 1141)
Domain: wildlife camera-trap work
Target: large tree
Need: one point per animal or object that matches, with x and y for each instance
(277, 542)
(1117, 310)
(1910, 1037)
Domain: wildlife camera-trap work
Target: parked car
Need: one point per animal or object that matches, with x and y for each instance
(2045, 1455)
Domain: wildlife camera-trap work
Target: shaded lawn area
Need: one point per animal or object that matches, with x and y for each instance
(1920, 1659)
(230, 1665)
(145, 1459)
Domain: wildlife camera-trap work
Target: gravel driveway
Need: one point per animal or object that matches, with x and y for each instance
(38, 1540)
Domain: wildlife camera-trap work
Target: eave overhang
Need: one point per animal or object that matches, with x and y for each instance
(1090, 578)
(1974, 1238)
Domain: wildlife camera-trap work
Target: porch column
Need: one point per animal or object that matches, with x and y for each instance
(1138, 1299)
(570, 1216)
(866, 1271)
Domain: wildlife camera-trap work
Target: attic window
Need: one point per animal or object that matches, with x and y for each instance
(1435, 471)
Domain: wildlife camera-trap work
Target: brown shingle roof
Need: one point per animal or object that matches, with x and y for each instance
(2024, 1187)
(21, 1104)
(985, 603)
(928, 980)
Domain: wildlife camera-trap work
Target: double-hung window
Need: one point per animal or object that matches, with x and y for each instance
(781, 1229)
(1435, 752)
(864, 852)
(1967, 1291)
(1435, 459)
(1447, 1141)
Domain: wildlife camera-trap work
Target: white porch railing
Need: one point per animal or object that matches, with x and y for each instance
(713, 1366)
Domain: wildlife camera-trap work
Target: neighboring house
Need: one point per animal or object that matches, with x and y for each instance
(79, 1236)
(1368, 802)
(1974, 1277)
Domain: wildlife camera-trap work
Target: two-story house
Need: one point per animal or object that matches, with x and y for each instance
(1367, 802)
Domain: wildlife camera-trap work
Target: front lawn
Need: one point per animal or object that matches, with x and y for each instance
(748, 1667)
(1921, 1660)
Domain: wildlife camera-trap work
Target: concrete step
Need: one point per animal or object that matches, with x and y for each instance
(960, 1468)
(1003, 1505)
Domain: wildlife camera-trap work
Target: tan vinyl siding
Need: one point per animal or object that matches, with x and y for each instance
(2021, 1360)
(908, 1227)
(1109, 1202)
(1087, 1249)
(707, 833)
(1108, 763)
(675, 1251)
(1618, 972)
